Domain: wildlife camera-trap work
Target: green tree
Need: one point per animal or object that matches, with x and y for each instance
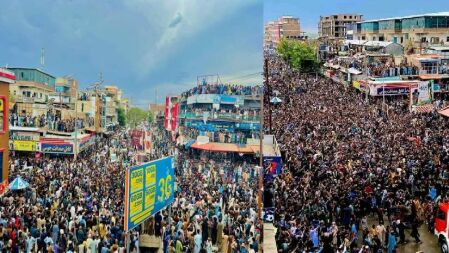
(121, 117)
(300, 55)
(150, 117)
(136, 116)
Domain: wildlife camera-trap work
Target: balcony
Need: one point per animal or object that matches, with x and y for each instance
(221, 117)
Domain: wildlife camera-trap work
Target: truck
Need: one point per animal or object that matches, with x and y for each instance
(441, 226)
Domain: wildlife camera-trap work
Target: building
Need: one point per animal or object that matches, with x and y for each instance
(66, 91)
(156, 109)
(334, 26)
(112, 101)
(417, 31)
(285, 27)
(6, 78)
(30, 93)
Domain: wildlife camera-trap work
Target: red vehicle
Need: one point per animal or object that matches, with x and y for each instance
(442, 227)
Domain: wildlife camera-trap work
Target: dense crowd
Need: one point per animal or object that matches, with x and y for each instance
(50, 120)
(77, 206)
(223, 89)
(356, 175)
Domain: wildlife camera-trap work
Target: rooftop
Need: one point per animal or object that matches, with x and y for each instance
(435, 14)
(36, 69)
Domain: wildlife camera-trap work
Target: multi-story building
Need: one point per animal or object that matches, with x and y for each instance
(6, 78)
(334, 26)
(112, 99)
(420, 31)
(66, 91)
(30, 93)
(285, 27)
(222, 117)
(156, 109)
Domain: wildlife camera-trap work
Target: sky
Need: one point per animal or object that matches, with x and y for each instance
(309, 12)
(142, 46)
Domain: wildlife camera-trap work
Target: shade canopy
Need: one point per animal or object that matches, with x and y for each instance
(276, 100)
(18, 184)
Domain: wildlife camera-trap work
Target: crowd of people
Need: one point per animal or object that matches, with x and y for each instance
(356, 175)
(223, 89)
(49, 120)
(77, 206)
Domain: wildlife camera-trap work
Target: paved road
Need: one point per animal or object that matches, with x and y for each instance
(429, 241)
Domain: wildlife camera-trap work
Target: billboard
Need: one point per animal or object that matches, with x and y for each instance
(149, 188)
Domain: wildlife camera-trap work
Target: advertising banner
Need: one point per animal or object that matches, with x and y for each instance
(21, 145)
(136, 138)
(167, 112)
(147, 142)
(174, 117)
(272, 166)
(424, 92)
(62, 148)
(149, 188)
(393, 90)
(85, 143)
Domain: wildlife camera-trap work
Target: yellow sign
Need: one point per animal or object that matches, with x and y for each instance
(137, 180)
(150, 197)
(135, 203)
(150, 173)
(20, 145)
(1, 105)
(356, 84)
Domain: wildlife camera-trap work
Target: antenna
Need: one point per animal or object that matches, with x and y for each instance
(42, 58)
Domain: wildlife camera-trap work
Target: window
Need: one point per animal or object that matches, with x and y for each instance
(350, 17)
(345, 17)
(447, 39)
(435, 40)
(402, 40)
(82, 107)
(423, 39)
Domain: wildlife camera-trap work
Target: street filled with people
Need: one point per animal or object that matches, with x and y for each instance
(77, 205)
(357, 174)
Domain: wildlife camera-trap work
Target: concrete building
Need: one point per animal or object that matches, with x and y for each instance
(6, 78)
(30, 93)
(419, 31)
(334, 26)
(66, 91)
(156, 109)
(285, 27)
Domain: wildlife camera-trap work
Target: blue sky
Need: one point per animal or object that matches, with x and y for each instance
(309, 11)
(139, 45)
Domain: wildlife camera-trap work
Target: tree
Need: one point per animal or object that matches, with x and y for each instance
(136, 116)
(300, 55)
(150, 117)
(121, 117)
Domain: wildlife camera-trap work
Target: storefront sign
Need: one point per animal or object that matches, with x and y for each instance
(393, 91)
(149, 189)
(20, 145)
(57, 148)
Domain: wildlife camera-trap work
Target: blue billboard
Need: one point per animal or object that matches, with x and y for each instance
(149, 188)
(63, 148)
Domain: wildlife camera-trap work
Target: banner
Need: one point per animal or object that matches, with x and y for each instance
(137, 138)
(167, 112)
(424, 93)
(19, 145)
(147, 142)
(174, 116)
(149, 188)
(86, 142)
(57, 148)
(272, 166)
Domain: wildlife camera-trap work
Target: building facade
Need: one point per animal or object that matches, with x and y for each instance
(285, 27)
(30, 93)
(419, 31)
(334, 26)
(6, 78)
(66, 91)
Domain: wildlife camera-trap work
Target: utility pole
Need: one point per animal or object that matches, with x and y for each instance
(267, 85)
(261, 170)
